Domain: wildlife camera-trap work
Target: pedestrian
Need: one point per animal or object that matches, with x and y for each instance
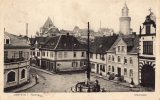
(36, 78)
(97, 86)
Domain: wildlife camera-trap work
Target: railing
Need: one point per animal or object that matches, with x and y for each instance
(17, 64)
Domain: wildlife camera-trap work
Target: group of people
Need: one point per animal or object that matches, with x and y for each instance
(95, 87)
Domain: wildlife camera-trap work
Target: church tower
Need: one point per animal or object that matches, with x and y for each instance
(125, 20)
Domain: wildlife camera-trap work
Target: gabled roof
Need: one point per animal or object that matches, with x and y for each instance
(131, 41)
(15, 41)
(68, 42)
(102, 44)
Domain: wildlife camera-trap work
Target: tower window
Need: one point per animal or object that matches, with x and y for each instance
(148, 47)
(148, 29)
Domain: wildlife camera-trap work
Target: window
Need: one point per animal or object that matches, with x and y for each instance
(125, 71)
(125, 60)
(148, 47)
(51, 53)
(122, 48)
(109, 68)
(112, 68)
(83, 54)
(131, 61)
(74, 54)
(109, 57)
(91, 55)
(47, 53)
(20, 54)
(23, 74)
(96, 56)
(119, 59)
(130, 72)
(43, 53)
(60, 55)
(102, 57)
(118, 48)
(65, 54)
(148, 29)
(102, 67)
(93, 66)
(7, 41)
(11, 76)
(38, 54)
(5, 55)
(112, 58)
(74, 64)
(33, 53)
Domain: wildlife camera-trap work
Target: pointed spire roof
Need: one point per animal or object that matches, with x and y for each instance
(125, 6)
(48, 23)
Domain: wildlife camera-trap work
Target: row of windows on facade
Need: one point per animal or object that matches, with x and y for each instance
(102, 68)
(121, 48)
(125, 71)
(119, 59)
(101, 56)
(11, 76)
(49, 64)
(60, 54)
(17, 54)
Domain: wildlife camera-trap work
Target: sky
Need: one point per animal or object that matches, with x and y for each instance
(66, 14)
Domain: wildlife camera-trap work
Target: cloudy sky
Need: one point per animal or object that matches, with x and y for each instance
(69, 13)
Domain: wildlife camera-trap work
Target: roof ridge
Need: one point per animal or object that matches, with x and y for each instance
(58, 42)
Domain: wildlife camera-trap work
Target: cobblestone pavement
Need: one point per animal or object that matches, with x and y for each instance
(63, 83)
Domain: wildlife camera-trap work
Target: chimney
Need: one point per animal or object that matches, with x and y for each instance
(67, 34)
(27, 29)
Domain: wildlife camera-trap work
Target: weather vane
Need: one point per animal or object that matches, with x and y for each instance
(150, 10)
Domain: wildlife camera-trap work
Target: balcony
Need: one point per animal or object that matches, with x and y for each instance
(15, 63)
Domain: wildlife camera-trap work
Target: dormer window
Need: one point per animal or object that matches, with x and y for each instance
(122, 48)
(7, 41)
(118, 48)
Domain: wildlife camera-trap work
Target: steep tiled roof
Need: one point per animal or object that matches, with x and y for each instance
(15, 41)
(102, 44)
(51, 42)
(62, 42)
(48, 23)
(68, 42)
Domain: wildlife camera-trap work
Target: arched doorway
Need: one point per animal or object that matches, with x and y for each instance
(148, 76)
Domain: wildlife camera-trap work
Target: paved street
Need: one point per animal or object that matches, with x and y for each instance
(62, 83)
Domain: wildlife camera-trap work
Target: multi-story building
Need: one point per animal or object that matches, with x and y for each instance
(122, 58)
(16, 60)
(147, 51)
(98, 53)
(59, 53)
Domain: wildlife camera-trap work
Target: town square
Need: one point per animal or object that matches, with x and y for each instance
(84, 58)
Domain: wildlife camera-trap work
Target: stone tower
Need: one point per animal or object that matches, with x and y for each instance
(125, 20)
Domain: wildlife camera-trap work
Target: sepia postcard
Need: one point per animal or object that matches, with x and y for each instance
(80, 49)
